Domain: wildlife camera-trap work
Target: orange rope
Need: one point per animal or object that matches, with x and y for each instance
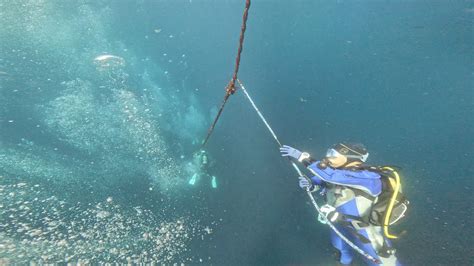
(230, 88)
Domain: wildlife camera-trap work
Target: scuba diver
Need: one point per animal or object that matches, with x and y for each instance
(350, 189)
(201, 165)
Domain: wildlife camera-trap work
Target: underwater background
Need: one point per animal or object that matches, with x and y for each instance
(103, 103)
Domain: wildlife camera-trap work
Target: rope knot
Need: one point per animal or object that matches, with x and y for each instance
(230, 89)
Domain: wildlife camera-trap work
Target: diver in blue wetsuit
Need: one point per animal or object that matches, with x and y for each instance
(349, 190)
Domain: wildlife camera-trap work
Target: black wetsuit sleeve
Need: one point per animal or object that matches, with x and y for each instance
(307, 162)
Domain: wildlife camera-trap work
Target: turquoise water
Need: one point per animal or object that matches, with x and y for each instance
(103, 103)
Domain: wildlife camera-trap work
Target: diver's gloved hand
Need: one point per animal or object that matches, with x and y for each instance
(290, 151)
(305, 184)
(329, 212)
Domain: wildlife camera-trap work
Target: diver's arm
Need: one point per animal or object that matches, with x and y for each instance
(317, 181)
(310, 185)
(364, 180)
(302, 157)
(306, 159)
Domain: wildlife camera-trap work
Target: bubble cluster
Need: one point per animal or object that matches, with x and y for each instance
(86, 128)
(116, 129)
(42, 164)
(36, 227)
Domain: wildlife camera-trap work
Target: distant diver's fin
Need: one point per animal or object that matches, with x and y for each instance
(192, 181)
(214, 182)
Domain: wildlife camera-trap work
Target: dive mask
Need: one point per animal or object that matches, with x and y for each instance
(333, 153)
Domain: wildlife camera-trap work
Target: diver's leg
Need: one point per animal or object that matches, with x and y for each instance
(378, 247)
(345, 250)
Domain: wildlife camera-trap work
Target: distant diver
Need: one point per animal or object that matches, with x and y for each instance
(361, 200)
(201, 166)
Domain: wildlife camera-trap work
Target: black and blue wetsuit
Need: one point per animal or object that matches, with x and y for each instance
(352, 194)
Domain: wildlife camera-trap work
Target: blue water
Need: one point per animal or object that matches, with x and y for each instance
(96, 155)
